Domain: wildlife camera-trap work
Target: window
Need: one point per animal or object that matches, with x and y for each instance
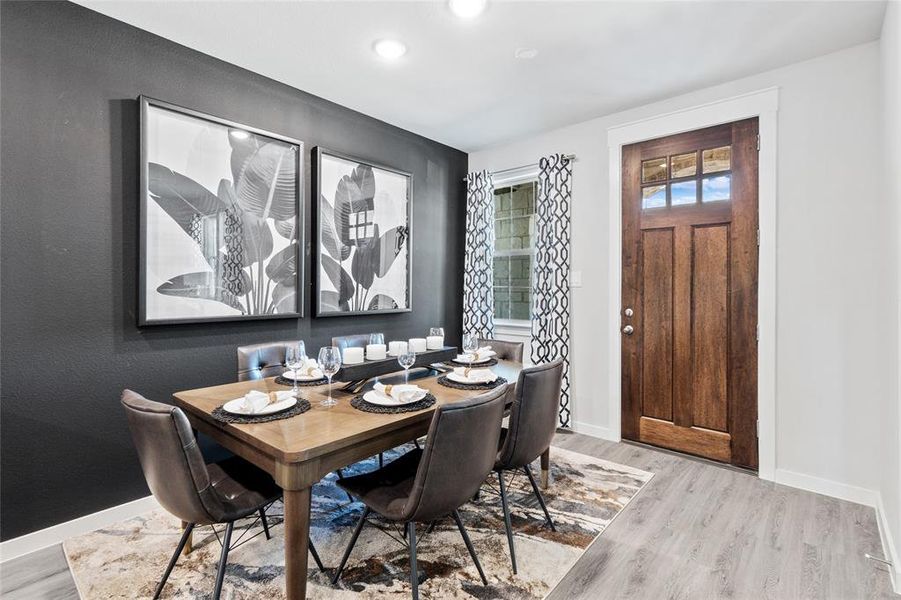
(514, 217)
(677, 181)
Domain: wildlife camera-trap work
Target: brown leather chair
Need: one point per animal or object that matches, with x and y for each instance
(195, 492)
(505, 350)
(425, 485)
(533, 422)
(350, 341)
(259, 361)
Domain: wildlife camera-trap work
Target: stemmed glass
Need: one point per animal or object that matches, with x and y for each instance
(294, 357)
(406, 360)
(329, 364)
(470, 345)
(377, 338)
(302, 350)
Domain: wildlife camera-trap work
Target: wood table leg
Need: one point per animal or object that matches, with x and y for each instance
(545, 468)
(297, 536)
(189, 545)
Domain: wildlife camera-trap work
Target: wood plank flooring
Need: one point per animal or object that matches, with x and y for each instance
(697, 530)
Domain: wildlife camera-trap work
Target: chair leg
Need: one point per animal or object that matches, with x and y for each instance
(265, 523)
(350, 546)
(414, 575)
(181, 546)
(223, 560)
(547, 515)
(381, 460)
(316, 557)
(340, 475)
(472, 551)
(500, 478)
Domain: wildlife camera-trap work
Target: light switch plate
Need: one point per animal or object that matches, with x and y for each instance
(575, 278)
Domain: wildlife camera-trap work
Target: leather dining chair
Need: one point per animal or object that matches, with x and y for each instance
(195, 492)
(350, 341)
(505, 350)
(425, 485)
(259, 361)
(533, 422)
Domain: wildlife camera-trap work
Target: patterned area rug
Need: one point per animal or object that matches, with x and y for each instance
(126, 560)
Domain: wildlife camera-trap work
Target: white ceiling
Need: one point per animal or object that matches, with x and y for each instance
(460, 83)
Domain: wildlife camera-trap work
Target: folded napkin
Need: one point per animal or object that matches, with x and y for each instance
(476, 375)
(480, 354)
(255, 401)
(310, 368)
(402, 394)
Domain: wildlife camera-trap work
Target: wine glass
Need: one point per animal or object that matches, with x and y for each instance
(294, 361)
(437, 331)
(302, 350)
(377, 338)
(406, 360)
(470, 345)
(329, 364)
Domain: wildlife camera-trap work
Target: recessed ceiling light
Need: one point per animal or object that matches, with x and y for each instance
(467, 9)
(526, 53)
(389, 49)
(239, 134)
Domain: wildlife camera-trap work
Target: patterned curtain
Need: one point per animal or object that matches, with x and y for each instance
(550, 279)
(478, 275)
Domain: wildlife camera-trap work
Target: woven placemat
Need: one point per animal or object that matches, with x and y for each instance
(361, 404)
(443, 380)
(461, 363)
(301, 407)
(281, 380)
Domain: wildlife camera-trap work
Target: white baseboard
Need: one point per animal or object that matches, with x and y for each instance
(888, 545)
(57, 533)
(595, 431)
(827, 487)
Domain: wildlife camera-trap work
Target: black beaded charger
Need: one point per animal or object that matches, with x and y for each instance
(475, 365)
(282, 380)
(301, 407)
(361, 404)
(443, 380)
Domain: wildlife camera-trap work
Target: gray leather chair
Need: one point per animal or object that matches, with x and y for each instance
(432, 483)
(350, 341)
(505, 350)
(533, 422)
(195, 492)
(259, 361)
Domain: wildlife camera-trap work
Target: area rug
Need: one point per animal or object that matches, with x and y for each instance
(127, 559)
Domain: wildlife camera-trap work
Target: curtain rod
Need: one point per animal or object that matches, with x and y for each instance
(569, 157)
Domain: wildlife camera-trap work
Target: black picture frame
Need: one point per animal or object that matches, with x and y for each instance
(148, 104)
(320, 152)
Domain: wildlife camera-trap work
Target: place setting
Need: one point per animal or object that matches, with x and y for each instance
(300, 370)
(261, 407)
(391, 399)
(473, 354)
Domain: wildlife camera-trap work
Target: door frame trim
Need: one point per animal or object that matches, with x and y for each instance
(764, 105)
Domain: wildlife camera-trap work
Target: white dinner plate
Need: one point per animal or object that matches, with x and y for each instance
(374, 397)
(475, 362)
(290, 375)
(235, 407)
(461, 379)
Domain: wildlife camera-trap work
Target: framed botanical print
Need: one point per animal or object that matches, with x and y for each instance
(363, 233)
(220, 219)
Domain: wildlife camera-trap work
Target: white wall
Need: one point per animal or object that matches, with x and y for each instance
(833, 237)
(890, 50)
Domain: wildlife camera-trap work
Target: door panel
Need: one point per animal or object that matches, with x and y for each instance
(690, 282)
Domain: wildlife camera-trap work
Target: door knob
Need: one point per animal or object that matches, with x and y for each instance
(628, 330)
(628, 312)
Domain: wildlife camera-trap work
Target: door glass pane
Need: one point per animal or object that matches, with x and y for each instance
(717, 159)
(684, 165)
(653, 170)
(684, 192)
(717, 188)
(653, 196)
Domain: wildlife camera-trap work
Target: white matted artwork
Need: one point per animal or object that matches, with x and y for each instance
(362, 236)
(220, 206)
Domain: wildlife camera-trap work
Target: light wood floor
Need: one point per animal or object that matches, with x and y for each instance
(697, 530)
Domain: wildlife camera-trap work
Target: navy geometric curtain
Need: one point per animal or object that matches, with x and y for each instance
(478, 274)
(550, 277)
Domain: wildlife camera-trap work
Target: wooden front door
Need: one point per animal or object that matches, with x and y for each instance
(689, 302)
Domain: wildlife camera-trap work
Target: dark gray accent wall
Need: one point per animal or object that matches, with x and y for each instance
(69, 185)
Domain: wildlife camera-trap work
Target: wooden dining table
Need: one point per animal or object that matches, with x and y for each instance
(300, 450)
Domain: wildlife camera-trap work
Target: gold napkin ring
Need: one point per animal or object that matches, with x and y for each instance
(388, 389)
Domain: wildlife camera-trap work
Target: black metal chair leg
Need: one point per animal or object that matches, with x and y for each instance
(265, 523)
(431, 527)
(350, 546)
(547, 515)
(500, 478)
(174, 559)
(223, 560)
(316, 557)
(341, 476)
(381, 460)
(414, 575)
(472, 551)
